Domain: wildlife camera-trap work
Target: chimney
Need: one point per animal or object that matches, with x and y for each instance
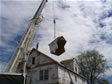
(37, 46)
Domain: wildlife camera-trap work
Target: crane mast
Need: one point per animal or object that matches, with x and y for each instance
(20, 55)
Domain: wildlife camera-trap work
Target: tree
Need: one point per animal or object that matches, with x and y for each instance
(102, 81)
(91, 65)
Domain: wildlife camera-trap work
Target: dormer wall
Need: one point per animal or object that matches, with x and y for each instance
(68, 64)
(76, 68)
(71, 64)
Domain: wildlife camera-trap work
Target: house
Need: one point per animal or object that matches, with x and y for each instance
(42, 69)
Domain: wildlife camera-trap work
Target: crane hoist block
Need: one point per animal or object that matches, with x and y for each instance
(57, 46)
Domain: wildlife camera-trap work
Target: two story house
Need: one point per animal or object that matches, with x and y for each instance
(42, 69)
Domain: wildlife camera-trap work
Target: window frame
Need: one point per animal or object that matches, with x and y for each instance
(44, 74)
(41, 75)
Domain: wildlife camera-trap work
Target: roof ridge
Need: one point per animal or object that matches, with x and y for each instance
(67, 59)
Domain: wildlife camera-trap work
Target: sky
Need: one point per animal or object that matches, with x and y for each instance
(85, 24)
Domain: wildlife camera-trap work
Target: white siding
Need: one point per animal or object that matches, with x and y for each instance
(44, 59)
(53, 75)
(69, 64)
(56, 72)
(39, 59)
(64, 76)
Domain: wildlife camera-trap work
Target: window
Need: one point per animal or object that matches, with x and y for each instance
(41, 75)
(76, 69)
(44, 74)
(33, 60)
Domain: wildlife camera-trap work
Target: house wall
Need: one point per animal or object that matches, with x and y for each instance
(42, 62)
(64, 77)
(39, 59)
(57, 73)
(71, 64)
(35, 75)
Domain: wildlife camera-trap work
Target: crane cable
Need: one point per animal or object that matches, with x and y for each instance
(54, 28)
(54, 21)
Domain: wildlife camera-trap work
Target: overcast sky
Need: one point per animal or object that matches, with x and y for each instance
(85, 24)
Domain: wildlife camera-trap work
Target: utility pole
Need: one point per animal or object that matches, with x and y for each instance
(20, 55)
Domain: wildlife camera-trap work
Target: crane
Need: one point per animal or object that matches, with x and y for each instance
(21, 53)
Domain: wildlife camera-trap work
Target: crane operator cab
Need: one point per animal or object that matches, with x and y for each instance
(57, 46)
